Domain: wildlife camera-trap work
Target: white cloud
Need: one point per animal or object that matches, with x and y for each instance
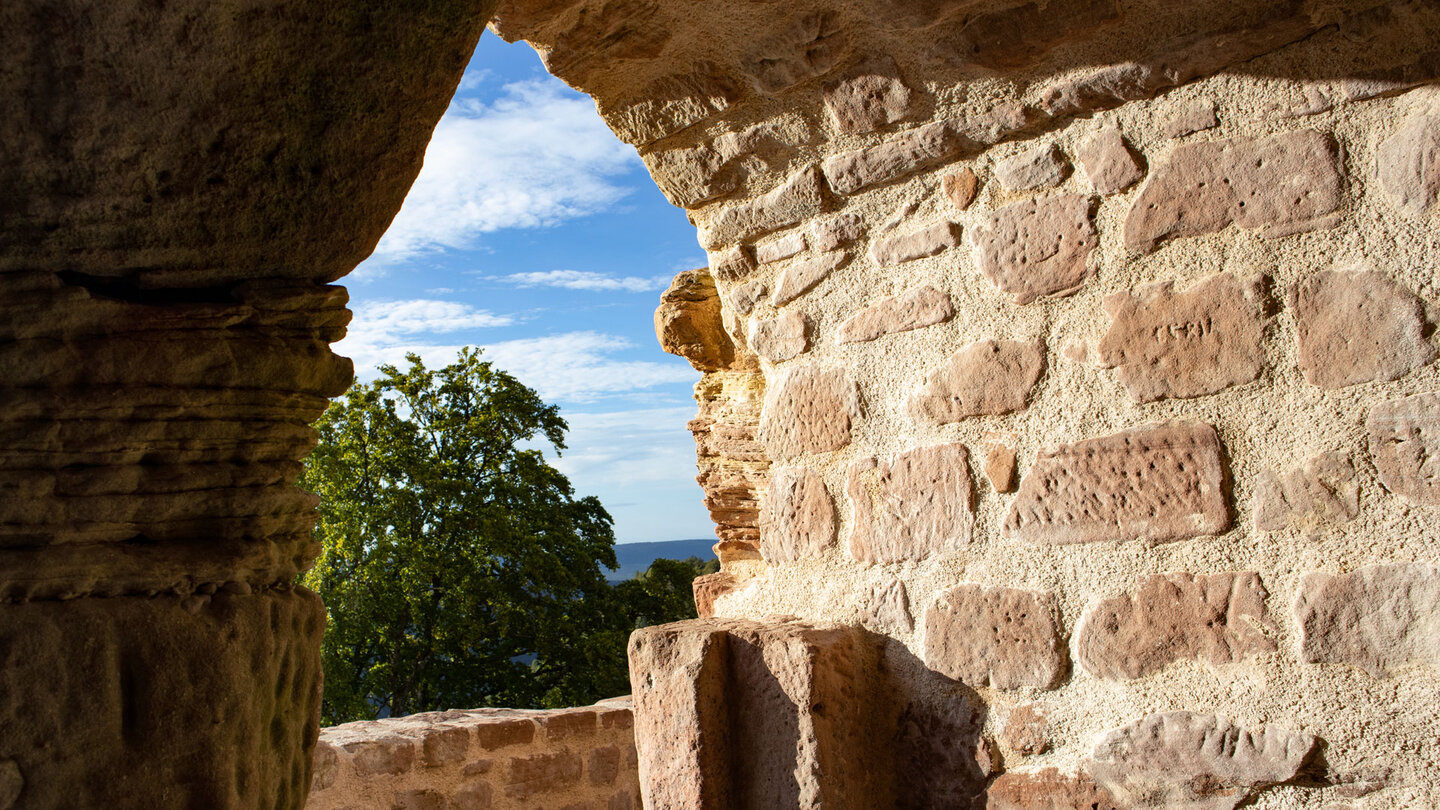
(624, 448)
(566, 367)
(584, 280)
(534, 157)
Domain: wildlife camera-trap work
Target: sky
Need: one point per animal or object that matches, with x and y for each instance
(536, 234)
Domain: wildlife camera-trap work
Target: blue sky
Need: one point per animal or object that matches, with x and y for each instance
(535, 233)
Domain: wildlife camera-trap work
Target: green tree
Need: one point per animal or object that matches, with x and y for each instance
(661, 593)
(458, 568)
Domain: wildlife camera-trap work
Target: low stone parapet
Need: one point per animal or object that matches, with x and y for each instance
(481, 759)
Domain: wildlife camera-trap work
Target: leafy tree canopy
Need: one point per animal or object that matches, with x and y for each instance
(458, 567)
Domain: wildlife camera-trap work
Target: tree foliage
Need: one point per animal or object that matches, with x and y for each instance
(458, 567)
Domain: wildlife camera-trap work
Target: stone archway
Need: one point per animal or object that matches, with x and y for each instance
(956, 234)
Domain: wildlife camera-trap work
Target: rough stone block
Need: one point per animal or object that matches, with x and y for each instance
(1323, 491)
(682, 729)
(796, 200)
(604, 766)
(732, 264)
(1404, 441)
(1037, 248)
(986, 378)
(505, 733)
(710, 587)
(744, 297)
(1000, 468)
(1216, 618)
(689, 322)
(1037, 167)
(867, 99)
(1198, 115)
(1355, 328)
(1106, 160)
(1282, 184)
(1048, 789)
(744, 714)
(1408, 165)
(1199, 761)
(916, 505)
(783, 337)
(801, 276)
(961, 187)
(445, 746)
(837, 231)
(809, 410)
(919, 244)
(782, 248)
(901, 156)
(1159, 483)
(797, 517)
(920, 307)
(1187, 344)
(542, 773)
(887, 608)
(569, 724)
(1001, 637)
(1379, 618)
(1026, 730)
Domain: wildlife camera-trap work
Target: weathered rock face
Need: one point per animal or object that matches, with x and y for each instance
(810, 411)
(1324, 491)
(1404, 441)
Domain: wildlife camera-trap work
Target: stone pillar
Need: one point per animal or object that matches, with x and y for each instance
(179, 184)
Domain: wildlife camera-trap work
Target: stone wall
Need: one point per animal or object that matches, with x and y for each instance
(1097, 359)
(481, 759)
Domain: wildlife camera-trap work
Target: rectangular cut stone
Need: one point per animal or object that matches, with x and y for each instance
(1158, 483)
(922, 306)
(682, 732)
(1216, 618)
(1001, 637)
(1378, 618)
(922, 505)
(986, 378)
(1187, 344)
(1404, 439)
(795, 201)
(914, 245)
(788, 716)
(903, 155)
(1284, 184)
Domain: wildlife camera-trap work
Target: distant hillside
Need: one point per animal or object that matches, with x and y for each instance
(636, 557)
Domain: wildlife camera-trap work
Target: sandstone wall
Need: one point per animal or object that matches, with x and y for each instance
(482, 759)
(1097, 358)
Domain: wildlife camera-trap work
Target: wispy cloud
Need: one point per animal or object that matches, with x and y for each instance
(534, 157)
(584, 280)
(574, 367)
(624, 448)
